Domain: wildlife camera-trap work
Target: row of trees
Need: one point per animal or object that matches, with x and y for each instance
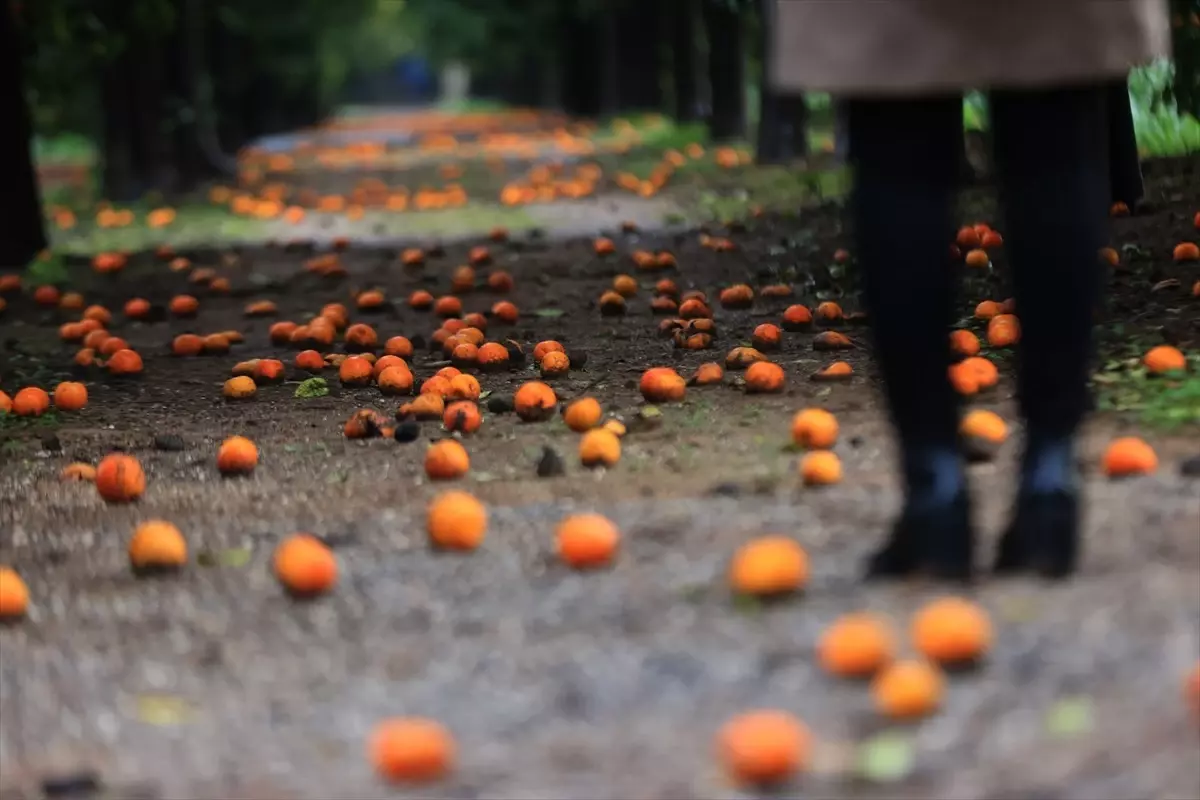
(169, 88)
(694, 59)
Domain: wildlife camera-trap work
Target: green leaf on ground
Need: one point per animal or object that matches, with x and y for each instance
(1070, 716)
(549, 313)
(313, 387)
(886, 758)
(163, 709)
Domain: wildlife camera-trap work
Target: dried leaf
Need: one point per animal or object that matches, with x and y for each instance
(1169, 283)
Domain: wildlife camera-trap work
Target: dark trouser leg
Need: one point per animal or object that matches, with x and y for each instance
(906, 156)
(1124, 165)
(1052, 154)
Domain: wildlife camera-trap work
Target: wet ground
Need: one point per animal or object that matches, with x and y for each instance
(214, 683)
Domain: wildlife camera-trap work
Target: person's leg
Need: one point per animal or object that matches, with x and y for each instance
(906, 156)
(1052, 156)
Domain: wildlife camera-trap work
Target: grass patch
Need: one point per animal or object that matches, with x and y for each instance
(1168, 401)
(194, 226)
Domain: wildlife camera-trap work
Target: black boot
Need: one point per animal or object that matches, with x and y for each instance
(934, 541)
(1043, 535)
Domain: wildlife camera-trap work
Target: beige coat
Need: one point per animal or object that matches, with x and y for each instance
(890, 47)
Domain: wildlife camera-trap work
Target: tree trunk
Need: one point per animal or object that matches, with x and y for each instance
(609, 56)
(581, 63)
(1125, 169)
(726, 70)
(22, 231)
(638, 64)
(793, 114)
(119, 182)
(683, 52)
(770, 140)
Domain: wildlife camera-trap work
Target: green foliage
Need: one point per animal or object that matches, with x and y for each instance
(313, 387)
(1162, 130)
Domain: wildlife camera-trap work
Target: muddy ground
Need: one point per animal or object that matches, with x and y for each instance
(556, 684)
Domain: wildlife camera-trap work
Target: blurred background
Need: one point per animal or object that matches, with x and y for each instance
(141, 101)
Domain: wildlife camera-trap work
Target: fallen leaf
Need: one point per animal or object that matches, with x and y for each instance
(163, 709)
(1070, 716)
(1169, 283)
(549, 313)
(886, 758)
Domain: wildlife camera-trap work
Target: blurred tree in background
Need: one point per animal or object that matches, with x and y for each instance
(167, 88)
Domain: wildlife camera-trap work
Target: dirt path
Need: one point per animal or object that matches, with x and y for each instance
(556, 684)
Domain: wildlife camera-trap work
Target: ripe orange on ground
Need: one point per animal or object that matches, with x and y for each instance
(456, 521)
(506, 312)
(764, 748)
(462, 417)
(908, 689)
(583, 414)
(240, 388)
(765, 377)
(766, 337)
(548, 346)
(14, 595)
(78, 471)
(599, 448)
(70, 396)
(662, 385)
(184, 305)
(355, 371)
(986, 425)
(797, 318)
(978, 258)
(554, 365)
(411, 750)
(119, 478)
(1186, 251)
(30, 402)
(585, 541)
(398, 346)
(309, 360)
(304, 565)
(964, 343)
(820, 468)
(856, 645)
(46, 295)
(951, 630)
(1129, 455)
(708, 374)
(769, 566)
(534, 401)
(425, 406)
(268, 370)
(446, 460)
(157, 544)
(1164, 358)
(125, 362)
(1003, 330)
(1191, 684)
(814, 428)
(237, 455)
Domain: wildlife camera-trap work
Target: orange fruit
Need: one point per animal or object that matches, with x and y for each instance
(856, 645)
(908, 690)
(304, 565)
(14, 595)
(764, 748)
(768, 566)
(411, 750)
(586, 540)
(952, 630)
